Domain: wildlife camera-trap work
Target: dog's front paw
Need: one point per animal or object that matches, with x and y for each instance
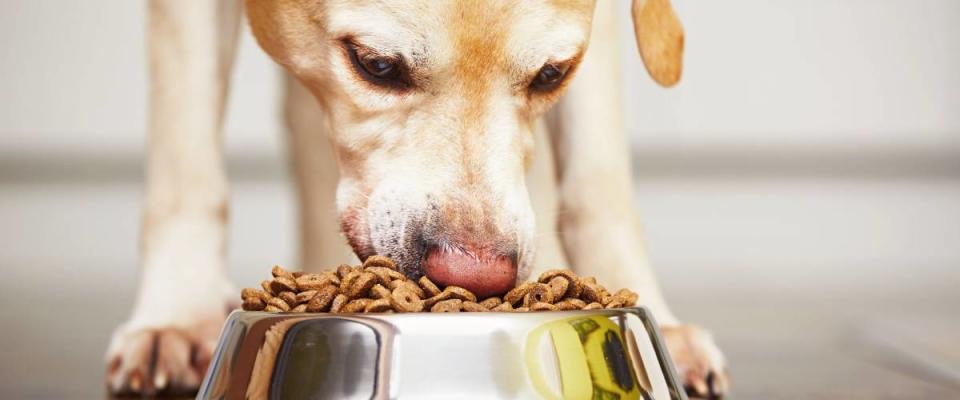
(698, 360)
(149, 356)
(151, 361)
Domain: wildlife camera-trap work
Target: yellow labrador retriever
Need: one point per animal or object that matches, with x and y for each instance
(420, 116)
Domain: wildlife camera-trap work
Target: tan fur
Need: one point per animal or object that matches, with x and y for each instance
(660, 39)
(472, 43)
(444, 160)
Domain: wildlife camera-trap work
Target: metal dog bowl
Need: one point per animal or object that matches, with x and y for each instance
(597, 354)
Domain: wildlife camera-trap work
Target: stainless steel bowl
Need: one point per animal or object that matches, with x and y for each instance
(597, 354)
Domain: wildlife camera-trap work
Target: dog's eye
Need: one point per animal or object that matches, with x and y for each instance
(549, 77)
(380, 67)
(377, 69)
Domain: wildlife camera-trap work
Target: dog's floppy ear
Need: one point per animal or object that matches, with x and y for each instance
(660, 39)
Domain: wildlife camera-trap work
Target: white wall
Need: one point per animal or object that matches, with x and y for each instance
(856, 74)
(73, 76)
(820, 72)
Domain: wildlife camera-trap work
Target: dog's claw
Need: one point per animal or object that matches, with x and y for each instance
(160, 381)
(716, 385)
(135, 381)
(698, 360)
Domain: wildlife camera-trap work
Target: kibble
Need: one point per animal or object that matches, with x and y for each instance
(289, 297)
(338, 303)
(470, 306)
(283, 284)
(278, 303)
(451, 305)
(377, 287)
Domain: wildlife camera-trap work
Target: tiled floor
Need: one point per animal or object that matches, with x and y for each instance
(837, 290)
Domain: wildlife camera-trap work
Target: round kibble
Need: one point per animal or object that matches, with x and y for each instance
(348, 280)
(615, 303)
(304, 297)
(516, 294)
(559, 285)
(356, 305)
(405, 300)
(384, 275)
(428, 286)
(289, 298)
(379, 305)
(457, 292)
(267, 287)
(249, 292)
(628, 297)
(549, 274)
(279, 303)
(571, 304)
(322, 299)
(606, 298)
(361, 285)
(343, 270)
(378, 291)
(356, 284)
(491, 302)
(300, 308)
(278, 271)
(253, 304)
(332, 275)
(544, 307)
(283, 284)
(592, 306)
(592, 293)
(338, 302)
(451, 305)
(314, 281)
(470, 306)
(541, 293)
(573, 287)
(409, 285)
(430, 301)
(379, 261)
(565, 306)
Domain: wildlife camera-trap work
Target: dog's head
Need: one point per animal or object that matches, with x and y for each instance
(430, 107)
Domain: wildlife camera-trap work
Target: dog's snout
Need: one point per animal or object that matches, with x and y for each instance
(485, 273)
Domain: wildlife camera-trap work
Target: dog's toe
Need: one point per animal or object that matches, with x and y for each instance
(698, 361)
(154, 361)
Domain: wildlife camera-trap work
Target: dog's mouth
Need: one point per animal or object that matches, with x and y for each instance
(485, 273)
(485, 270)
(482, 270)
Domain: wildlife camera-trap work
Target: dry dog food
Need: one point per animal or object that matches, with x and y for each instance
(377, 287)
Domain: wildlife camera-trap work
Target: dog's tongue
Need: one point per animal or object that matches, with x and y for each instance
(484, 276)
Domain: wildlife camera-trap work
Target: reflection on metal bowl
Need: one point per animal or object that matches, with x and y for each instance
(597, 354)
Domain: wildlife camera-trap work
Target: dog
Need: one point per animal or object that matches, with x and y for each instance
(418, 122)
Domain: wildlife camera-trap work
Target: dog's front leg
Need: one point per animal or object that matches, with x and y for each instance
(181, 302)
(598, 225)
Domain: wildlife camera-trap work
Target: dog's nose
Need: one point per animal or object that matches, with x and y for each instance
(483, 273)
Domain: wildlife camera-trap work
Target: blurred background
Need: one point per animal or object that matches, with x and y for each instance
(800, 189)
